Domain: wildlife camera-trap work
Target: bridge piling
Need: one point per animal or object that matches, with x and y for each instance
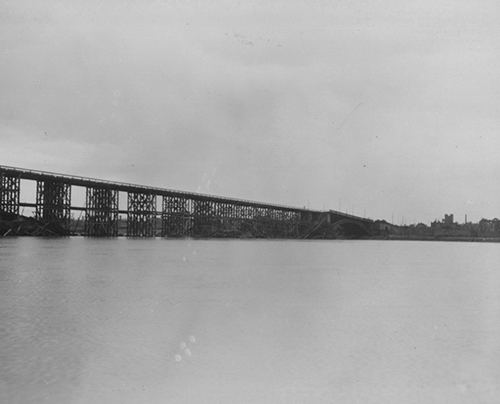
(173, 210)
(10, 189)
(141, 214)
(101, 212)
(202, 212)
(53, 204)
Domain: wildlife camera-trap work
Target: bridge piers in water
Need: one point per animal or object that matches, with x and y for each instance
(10, 188)
(173, 217)
(101, 212)
(141, 214)
(53, 205)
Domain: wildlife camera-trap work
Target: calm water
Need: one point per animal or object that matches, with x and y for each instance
(162, 321)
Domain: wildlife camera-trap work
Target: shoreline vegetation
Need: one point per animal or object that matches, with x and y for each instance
(440, 238)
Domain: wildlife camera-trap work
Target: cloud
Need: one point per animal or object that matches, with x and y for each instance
(380, 104)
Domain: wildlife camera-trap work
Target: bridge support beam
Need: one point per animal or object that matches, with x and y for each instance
(101, 212)
(53, 205)
(10, 189)
(173, 217)
(141, 214)
(204, 216)
(290, 224)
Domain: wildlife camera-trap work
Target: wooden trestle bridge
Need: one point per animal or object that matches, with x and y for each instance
(161, 212)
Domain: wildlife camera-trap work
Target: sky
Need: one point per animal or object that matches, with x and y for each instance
(386, 109)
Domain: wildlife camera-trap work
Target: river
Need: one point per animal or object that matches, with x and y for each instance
(248, 321)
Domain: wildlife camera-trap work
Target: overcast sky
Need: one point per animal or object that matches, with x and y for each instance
(388, 108)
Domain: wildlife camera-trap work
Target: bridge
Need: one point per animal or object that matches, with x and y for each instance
(152, 211)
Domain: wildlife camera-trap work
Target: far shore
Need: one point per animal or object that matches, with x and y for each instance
(441, 238)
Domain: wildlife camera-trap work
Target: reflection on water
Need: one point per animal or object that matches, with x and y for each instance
(178, 321)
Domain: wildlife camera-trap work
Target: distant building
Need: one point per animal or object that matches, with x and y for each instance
(448, 220)
(448, 227)
(444, 229)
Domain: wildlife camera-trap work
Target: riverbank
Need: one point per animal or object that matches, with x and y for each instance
(14, 225)
(440, 238)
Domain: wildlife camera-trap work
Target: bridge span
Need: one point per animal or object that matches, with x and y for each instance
(152, 211)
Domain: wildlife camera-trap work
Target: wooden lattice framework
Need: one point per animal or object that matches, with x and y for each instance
(141, 214)
(53, 204)
(175, 217)
(10, 187)
(101, 212)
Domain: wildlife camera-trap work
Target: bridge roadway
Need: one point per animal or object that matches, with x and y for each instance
(182, 213)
